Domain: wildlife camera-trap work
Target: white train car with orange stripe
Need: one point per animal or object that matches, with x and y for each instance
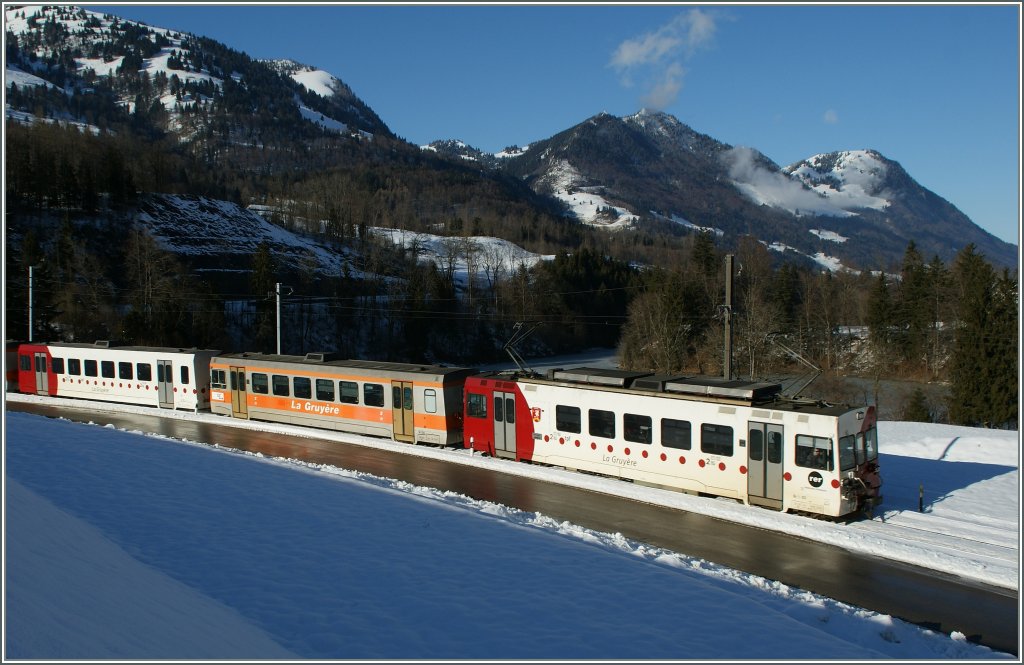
(405, 402)
(164, 377)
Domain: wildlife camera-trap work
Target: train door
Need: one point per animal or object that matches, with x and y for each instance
(165, 383)
(42, 380)
(401, 410)
(504, 424)
(236, 382)
(764, 464)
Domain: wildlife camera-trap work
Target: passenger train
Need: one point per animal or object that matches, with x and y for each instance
(703, 435)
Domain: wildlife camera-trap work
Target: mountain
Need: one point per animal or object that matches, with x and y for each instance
(856, 208)
(104, 73)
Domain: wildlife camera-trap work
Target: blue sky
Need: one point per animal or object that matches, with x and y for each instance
(933, 87)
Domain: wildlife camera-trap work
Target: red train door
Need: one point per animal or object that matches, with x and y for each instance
(504, 424)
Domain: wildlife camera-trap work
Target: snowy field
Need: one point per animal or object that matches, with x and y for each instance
(121, 545)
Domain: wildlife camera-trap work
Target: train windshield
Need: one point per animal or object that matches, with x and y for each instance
(847, 454)
(871, 443)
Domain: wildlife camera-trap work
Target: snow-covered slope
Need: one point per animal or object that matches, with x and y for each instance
(98, 40)
(203, 227)
(850, 179)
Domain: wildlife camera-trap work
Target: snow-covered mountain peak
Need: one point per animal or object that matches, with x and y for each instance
(656, 120)
(850, 178)
(866, 168)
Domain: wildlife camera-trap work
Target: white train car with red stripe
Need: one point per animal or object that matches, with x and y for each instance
(736, 439)
(164, 377)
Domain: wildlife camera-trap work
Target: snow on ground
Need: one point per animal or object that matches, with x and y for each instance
(585, 203)
(201, 226)
(16, 77)
(488, 254)
(122, 545)
(831, 236)
(682, 221)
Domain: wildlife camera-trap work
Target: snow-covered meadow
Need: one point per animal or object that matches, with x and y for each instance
(130, 546)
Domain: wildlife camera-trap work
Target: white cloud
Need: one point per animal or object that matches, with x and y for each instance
(657, 56)
(667, 89)
(831, 117)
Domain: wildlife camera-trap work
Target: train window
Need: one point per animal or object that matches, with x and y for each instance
(636, 429)
(349, 392)
(716, 439)
(430, 400)
(373, 394)
(259, 383)
(862, 455)
(26, 363)
(601, 423)
(407, 398)
(90, 368)
(568, 419)
(476, 405)
(814, 452)
(218, 378)
(184, 374)
(675, 433)
(74, 366)
(499, 409)
(58, 365)
(755, 444)
(510, 411)
(847, 458)
(774, 447)
(144, 371)
(279, 384)
(303, 387)
(124, 371)
(40, 363)
(107, 369)
(870, 440)
(325, 390)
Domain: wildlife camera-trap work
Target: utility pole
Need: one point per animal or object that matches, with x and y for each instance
(31, 269)
(277, 290)
(727, 309)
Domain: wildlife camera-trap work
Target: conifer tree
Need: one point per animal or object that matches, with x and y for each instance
(983, 369)
(913, 313)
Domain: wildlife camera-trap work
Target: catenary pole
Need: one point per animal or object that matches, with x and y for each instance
(31, 269)
(727, 359)
(277, 290)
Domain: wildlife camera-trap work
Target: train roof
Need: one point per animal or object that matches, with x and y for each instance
(703, 388)
(105, 344)
(332, 360)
